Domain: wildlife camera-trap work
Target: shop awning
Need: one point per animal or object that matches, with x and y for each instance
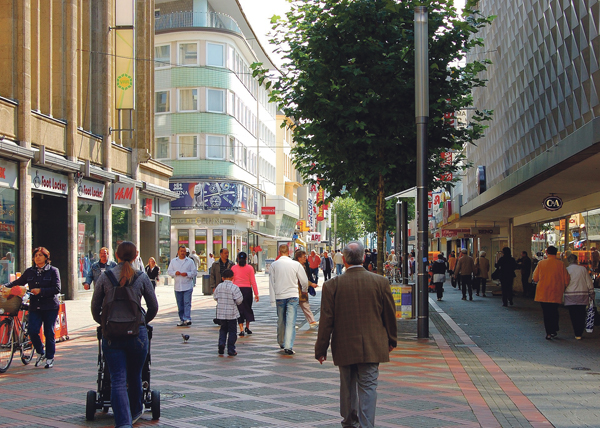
(408, 193)
(273, 237)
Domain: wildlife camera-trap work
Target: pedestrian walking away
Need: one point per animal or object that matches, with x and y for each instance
(315, 262)
(358, 343)
(285, 274)
(228, 297)
(552, 279)
(483, 269)
(506, 266)
(300, 257)
(196, 260)
(339, 262)
(152, 270)
(183, 270)
(98, 268)
(524, 264)
(578, 295)
(326, 266)
(243, 277)
(438, 268)
(43, 280)
(125, 355)
(464, 270)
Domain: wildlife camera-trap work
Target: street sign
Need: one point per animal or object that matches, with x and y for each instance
(267, 210)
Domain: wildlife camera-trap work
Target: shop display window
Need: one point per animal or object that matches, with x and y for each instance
(8, 233)
(217, 242)
(164, 243)
(183, 238)
(89, 236)
(121, 224)
(200, 246)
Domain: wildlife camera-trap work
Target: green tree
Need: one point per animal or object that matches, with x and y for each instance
(349, 219)
(348, 82)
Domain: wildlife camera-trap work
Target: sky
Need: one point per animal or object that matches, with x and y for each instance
(259, 13)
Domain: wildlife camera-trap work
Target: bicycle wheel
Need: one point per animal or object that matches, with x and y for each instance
(7, 344)
(27, 349)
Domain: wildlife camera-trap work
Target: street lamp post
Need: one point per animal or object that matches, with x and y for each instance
(422, 117)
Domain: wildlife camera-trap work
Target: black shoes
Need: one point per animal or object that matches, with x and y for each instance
(221, 349)
(289, 352)
(242, 334)
(464, 298)
(248, 331)
(232, 354)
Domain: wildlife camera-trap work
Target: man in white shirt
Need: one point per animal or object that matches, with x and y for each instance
(338, 259)
(183, 269)
(284, 277)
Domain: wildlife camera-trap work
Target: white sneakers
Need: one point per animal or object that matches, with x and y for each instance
(49, 363)
(40, 359)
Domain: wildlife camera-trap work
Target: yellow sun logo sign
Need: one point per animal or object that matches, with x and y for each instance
(124, 81)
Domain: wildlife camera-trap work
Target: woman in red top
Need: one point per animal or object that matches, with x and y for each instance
(243, 277)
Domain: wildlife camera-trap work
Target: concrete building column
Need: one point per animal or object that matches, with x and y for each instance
(71, 99)
(520, 240)
(23, 93)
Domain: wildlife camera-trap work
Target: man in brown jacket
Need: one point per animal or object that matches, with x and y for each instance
(358, 315)
(464, 269)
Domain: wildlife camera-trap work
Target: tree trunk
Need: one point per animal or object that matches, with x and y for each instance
(380, 224)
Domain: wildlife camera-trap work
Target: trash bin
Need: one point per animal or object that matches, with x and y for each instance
(206, 290)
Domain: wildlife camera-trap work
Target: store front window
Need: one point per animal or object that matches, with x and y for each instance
(183, 238)
(8, 233)
(200, 247)
(121, 223)
(232, 250)
(217, 242)
(89, 236)
(164, 243)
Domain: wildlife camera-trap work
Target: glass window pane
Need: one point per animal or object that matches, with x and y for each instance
(214, 101)
(200, 247)
(188, 146)
(217, 242)
(215, 55)
(121, 227)
(188, 99)
(164, 242)
(8, 234)
(215, 147)
(162, 147)
(188, 54)
(162, 56)
(162, 102)
(183, 238)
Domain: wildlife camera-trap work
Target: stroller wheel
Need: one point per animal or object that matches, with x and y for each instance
(155, 405)
(90, 405)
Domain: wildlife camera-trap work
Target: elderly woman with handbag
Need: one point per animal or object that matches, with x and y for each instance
(578, 294)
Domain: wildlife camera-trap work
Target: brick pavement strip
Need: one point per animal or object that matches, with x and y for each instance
(428, 383)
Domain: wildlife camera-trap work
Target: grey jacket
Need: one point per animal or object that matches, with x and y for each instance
(143, 288)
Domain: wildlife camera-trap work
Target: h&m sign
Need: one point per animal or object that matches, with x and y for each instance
(124, 194)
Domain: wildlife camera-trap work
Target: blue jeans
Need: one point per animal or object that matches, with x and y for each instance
(315, 273)
(36, 319)
(358, 394)
(184, 304)
(125, 358)
(338, 269)
(228, 328)
(287, 309)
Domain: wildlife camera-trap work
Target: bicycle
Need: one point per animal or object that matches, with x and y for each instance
(14, 334)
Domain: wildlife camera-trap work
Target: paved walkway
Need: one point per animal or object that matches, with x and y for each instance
(484, 366)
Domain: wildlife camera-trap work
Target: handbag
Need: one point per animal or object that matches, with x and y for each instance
(496, 274)
(589, 320)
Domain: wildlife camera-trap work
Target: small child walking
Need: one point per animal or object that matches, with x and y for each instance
(228, 296)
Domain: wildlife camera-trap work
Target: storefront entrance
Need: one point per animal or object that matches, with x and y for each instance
(49, 229)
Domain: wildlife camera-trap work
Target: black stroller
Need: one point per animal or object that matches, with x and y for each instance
(100, 400)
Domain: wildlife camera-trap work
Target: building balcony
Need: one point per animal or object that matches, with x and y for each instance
(191, 20)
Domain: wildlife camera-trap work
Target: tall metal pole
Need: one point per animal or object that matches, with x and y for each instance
(422, 117)
(404, 247)
(398, 230)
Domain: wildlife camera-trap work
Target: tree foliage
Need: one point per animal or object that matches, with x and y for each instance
(350, 219)
(348, 82)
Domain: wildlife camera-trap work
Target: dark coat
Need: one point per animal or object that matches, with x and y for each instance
(355, 338)
(47, 280)
(215, 272)
(506, 269)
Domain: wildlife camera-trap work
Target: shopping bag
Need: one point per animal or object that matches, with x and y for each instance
(589, 321)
